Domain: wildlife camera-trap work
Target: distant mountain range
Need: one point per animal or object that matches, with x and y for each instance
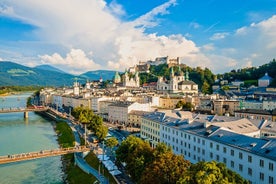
(13, 74)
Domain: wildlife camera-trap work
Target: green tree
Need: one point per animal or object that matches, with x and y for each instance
(95, 123)
(101, 132)
(137, 154)
(167, 168)
(111, 142)
(210, 173)
(205, 87)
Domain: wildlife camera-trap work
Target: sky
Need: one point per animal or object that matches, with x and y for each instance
(77, 36)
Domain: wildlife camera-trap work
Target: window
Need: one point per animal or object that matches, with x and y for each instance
(224, 160)
(217, 157)
(198, 150)
(211, 145)
(240, 155)
(249, 159)
(270, 180)
(198, 140)
(224, 149)
(262, 176)
(249, 171)
(240, 167)
(211, 155)
(232, 164)
(261, 163)
(232, 153)
(270, 166)
(203, 142)
(217, 147)
(203, 151)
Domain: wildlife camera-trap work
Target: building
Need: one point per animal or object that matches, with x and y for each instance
(222, 107)
(253, 158)
(254, 114)
(117, 78)
(118, 111)
(178, 83)
(131, 81)
(264, 81)
(135, 117)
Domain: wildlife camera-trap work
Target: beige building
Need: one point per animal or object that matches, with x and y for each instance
(135, 117)
(169, 102)
(226, 106)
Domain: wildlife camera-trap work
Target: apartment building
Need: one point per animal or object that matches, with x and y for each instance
(253, 158)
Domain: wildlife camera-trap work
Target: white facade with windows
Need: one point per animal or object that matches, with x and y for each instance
(253, 158)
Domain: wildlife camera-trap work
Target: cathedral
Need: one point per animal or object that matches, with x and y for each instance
(126, 80)
(178, 83)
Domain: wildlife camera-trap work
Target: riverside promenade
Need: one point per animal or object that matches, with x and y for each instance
(79, 157)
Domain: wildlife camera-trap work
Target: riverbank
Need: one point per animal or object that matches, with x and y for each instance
(73, 174)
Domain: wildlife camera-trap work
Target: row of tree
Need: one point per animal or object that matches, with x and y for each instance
(252, 73)
(92, 121)
(159, 165)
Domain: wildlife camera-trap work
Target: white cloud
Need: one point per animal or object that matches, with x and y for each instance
(75, 61)
(116, 8)
(90, 35)
(194, 25)
(218, 36)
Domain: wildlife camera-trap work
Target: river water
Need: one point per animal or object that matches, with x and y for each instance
(19, 135)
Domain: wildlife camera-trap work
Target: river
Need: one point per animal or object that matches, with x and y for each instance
(19, 135)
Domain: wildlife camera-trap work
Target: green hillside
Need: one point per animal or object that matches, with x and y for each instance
(12, 74)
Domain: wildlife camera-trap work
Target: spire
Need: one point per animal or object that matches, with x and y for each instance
(180, 73)
(172, 72)
(187, 75)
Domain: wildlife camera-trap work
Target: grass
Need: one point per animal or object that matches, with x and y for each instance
(93, 161)
(65, 135)
(74, 175)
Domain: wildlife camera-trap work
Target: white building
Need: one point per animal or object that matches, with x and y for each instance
(118, 111)
(177, 84)
(253, 158)
(264, 81)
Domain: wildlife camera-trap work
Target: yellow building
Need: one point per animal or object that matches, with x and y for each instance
(169, 102)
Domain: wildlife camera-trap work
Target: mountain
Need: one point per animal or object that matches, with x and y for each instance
(97, 74)
(13, 74)
(49, 68)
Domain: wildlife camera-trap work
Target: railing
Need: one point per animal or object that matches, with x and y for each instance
(22, 109)
(41, 154)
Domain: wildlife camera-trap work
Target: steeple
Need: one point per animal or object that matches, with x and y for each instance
(172, 72)
(180, 72)
(187, 75)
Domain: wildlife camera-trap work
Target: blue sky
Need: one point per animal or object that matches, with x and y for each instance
(81, 35)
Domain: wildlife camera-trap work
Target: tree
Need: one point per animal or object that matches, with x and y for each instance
(211, 173)
(137, 154)
(101, 132)
(111, 142)
(95, 123)
(167, 168)
(205, 87)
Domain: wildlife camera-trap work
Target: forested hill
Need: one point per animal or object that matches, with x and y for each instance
(252, 73)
